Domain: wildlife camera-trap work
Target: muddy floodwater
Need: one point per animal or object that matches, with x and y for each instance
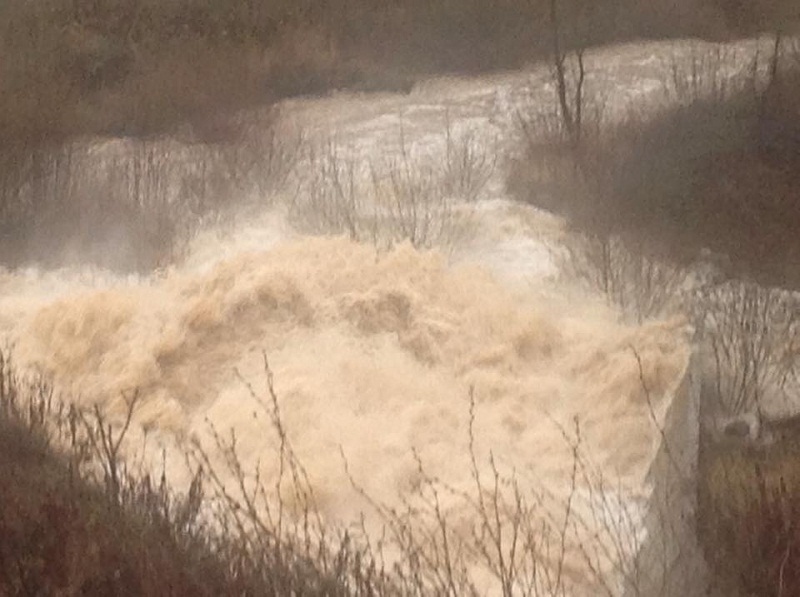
(377, 349)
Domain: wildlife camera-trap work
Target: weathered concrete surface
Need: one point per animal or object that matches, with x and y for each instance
(670, 561)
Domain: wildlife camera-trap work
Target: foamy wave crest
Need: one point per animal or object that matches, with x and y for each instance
(374, 356)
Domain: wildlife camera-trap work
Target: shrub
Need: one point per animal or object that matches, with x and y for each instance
(748, 509)
(424, 199)
(752, 334)
(713, 169)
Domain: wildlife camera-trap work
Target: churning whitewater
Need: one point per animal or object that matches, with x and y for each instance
(375, 353)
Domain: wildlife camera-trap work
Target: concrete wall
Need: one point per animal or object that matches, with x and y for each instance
(670, 562)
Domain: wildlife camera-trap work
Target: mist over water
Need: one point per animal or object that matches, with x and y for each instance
(374, 352)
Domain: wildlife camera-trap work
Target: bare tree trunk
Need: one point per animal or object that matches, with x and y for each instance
(570, 104)
(770, 98)
(559, 58)
(775, 60)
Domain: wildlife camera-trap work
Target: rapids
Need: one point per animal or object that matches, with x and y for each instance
(375, 352)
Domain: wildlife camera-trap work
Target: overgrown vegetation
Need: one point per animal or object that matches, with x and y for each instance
(76, 520)
(71, 69)
(711, 168)
(690, 205)
(132, 204)
(749, 506)
(154, 86)
(141, 66)
(137, 66)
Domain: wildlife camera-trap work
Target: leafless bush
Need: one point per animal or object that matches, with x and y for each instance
(640, 285)
(424, 200)
(184, 186)
(81, 518)
(413, 202)
(497, 536)
(132, 205)
(249, 154)
(128, 529)
(284, 542)
(709, 166)
(715, 73)
(503, 539)
(332, 198)
(265, 157)
(753, 334)
(468, 163)
(559, 165)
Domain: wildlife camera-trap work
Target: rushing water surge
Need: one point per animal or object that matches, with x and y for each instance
(382, 356)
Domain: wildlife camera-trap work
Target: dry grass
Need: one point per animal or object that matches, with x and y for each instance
(65, 534)
(77, 520)
(749, 507)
